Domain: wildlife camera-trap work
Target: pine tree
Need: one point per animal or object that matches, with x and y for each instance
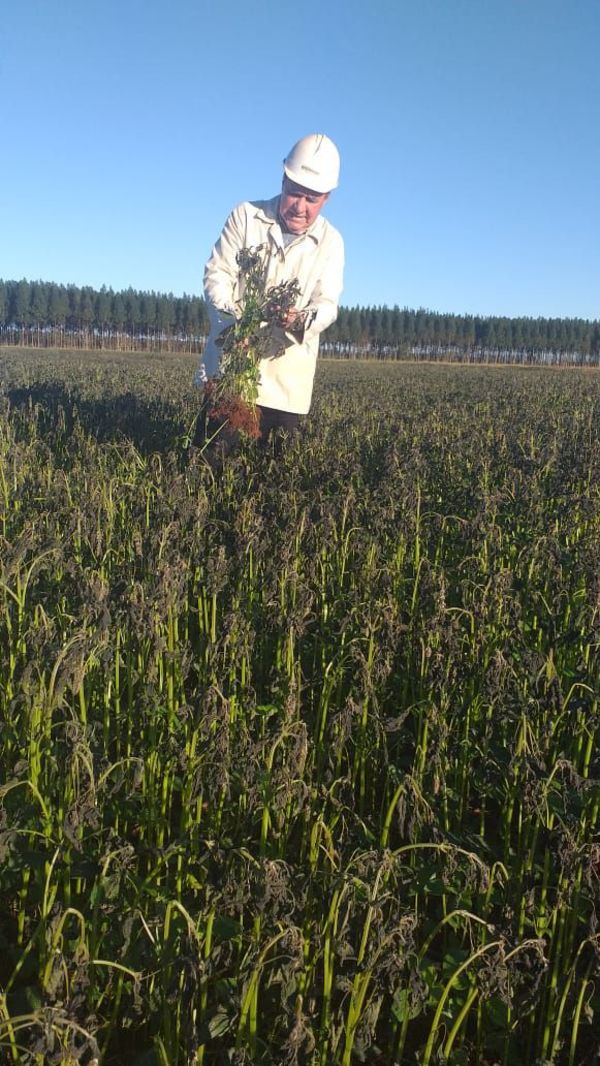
(38, 304)
(21, 305)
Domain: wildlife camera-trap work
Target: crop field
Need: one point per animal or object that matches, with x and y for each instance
(299, 759)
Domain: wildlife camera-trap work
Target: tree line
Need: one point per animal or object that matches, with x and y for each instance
(385, 330)
(47, 314)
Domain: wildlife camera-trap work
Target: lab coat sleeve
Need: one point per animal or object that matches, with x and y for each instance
(221, 273)
(324, 299)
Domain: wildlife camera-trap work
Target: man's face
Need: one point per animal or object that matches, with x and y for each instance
(298, 206)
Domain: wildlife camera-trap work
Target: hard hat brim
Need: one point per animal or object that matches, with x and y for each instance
(306, 181)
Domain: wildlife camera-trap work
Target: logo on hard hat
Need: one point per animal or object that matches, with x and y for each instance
(317, 156)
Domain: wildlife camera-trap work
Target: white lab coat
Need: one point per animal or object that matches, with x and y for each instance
(315, 259)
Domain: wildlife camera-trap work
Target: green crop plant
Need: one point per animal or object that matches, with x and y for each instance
(299, 763)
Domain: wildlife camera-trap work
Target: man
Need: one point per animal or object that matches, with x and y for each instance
(297, 244)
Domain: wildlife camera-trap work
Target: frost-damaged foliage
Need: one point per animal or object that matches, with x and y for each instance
(299, 765)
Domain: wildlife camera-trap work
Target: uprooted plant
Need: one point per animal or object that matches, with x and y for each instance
(263, 310)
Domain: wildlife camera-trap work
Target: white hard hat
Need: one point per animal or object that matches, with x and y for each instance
(314, 162)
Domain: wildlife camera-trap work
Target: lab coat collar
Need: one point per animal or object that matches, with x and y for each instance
(268, 211)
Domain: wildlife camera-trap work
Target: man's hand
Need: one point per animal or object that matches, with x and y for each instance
(294, 320)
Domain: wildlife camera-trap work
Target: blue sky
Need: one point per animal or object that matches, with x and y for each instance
(469, 134)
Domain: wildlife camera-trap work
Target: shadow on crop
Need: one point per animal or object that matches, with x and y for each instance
(151, 424)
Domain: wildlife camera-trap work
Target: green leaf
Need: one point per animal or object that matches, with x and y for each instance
(24, 1000)
(404, 1006)
(219, 1024)
(225, 928)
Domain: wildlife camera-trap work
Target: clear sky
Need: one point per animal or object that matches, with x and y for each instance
(469, 132)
